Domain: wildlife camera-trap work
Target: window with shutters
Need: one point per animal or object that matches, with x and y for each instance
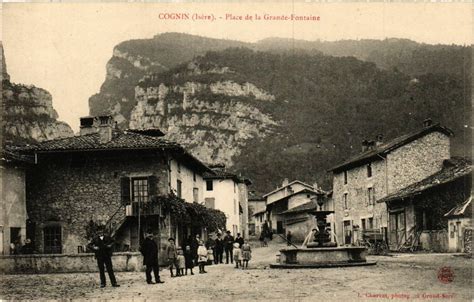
(196, 195)
(209, 185)
(138, 189)
(179, 188)
(345, 202)
(370, 196)
(210, 202)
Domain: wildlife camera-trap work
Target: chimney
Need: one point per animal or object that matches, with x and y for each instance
(370, 145)
(427, 123)
(364, 145)
(285, 182)
(379, 140)
(315, 186)
(106, 123)
(87, 125)
(218, 167)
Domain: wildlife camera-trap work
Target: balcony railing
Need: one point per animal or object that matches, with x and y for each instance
(141, 208)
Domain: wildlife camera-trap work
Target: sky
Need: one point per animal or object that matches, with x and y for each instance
(64, 47)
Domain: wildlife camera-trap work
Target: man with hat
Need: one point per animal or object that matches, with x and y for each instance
(149, 250)
(102, 247)
(228, 246)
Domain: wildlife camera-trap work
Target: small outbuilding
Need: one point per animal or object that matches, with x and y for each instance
(460, 227)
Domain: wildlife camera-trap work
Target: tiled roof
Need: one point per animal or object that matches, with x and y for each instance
(220, 174)
(259, 212)
(120, 140)
(464, 209)
(288, 185)
(10, 153)
(304, 191)
(309, 206)
(452, 169)
(388, 147)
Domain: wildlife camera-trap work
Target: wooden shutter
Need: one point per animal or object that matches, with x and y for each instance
(152, 183)
(125, 189)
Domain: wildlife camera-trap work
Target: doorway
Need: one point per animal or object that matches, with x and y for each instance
(397, 233)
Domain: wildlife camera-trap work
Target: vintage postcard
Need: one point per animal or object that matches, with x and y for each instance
(267, 150)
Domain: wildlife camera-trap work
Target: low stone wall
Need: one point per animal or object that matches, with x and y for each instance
(66, 263)
(435, 241)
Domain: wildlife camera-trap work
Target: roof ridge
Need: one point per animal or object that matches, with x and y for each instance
(392, 144)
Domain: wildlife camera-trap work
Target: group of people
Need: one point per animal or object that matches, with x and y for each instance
(27, 248)
(195, 253)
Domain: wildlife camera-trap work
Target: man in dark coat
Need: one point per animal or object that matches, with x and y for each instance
(193, 242)
(102, 247)
(219, 249)
(149, 250)
(228, 246)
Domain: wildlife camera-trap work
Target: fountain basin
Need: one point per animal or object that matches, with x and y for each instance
(322, 257)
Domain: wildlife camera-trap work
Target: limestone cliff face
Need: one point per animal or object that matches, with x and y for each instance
(213, 120)
(28, 113)
(134, 59)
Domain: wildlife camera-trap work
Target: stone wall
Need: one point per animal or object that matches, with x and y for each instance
(62, 263)
(70, 191)
(417, 160)
(357, 197)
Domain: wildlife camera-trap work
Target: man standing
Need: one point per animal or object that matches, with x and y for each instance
(149, 250)
(228, 246)
(219, 249)
(102, 247)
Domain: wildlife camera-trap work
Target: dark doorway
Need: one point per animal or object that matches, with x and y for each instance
(280, 228)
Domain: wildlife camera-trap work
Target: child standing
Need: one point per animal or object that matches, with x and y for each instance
(202, 257)
(188, 259)
(237, 255)
(181, 261)
(246, 254)
(172, 254)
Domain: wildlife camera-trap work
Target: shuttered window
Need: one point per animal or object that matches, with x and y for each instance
(138, 189)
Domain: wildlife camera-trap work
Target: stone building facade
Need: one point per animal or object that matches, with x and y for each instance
(107, 176)
(383, 168)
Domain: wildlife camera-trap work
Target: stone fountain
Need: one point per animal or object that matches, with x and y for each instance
(320, 251)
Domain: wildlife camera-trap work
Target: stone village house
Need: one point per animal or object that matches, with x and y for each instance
(104, 175)
(460, 227)
(229, 193)
(288, 196)
(380, 170)
(418, 213)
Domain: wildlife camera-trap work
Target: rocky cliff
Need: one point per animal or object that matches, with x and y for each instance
(28, 113)
(132, 60)
(280, 112)
(213, 119)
